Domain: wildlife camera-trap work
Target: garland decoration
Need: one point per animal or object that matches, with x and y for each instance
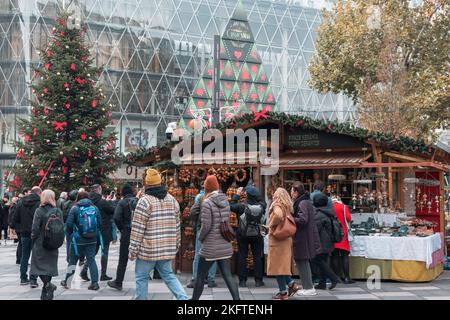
(240, 175)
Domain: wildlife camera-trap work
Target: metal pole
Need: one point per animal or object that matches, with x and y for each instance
(216, 81)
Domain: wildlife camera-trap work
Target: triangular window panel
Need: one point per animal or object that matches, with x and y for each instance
(227, 88)
(200, 90)
(262, 75)
(236, 93)
(254, 70)
(227, 73)
(245, 75)
(209, 69)
(252, 96)
(254, 55)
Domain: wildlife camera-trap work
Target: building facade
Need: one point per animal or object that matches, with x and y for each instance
(153, 53)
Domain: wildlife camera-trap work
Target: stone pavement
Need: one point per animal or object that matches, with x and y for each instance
(10, 289)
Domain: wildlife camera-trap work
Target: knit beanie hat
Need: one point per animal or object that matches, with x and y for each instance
(211, 184)
(152, 178)
(320, 200)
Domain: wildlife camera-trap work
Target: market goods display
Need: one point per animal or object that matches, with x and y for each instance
(222, 174)
(233, 220)
(184, 176)
(189, 254)
(240, 175)
(231, 191)
(212, 172)
(200, 174)
(177, 193)
(188, 232)
(189, 195)
(185, 214)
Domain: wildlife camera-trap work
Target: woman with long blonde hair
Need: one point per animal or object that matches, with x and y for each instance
(44, 261)
(280, 251)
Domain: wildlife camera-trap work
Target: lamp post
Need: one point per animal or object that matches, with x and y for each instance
(216, 81)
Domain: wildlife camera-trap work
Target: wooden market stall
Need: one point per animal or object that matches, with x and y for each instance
(394, 187)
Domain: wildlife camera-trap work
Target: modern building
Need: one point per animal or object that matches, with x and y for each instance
(154, 51)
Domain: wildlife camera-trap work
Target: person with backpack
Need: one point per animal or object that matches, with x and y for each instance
(23, 218)
(339, 257)
(251, 214)
(329, 232)
(195, 214)
(306, 240)
(106, 209)
(155, 237)
(67, 205)
(47, 234)
(123, 215)
(279, 259)
(83, 224)
(214, 246)
(15, 227)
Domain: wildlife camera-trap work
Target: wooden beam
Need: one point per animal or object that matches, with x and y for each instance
(402, 157)
(405, 165)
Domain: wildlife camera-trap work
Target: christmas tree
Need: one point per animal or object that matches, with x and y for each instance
(65, 140)
(244, 84)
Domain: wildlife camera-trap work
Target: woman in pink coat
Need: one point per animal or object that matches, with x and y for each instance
(339, 257)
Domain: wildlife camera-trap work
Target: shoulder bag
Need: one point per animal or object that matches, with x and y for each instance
(350, 235)
(285, 229)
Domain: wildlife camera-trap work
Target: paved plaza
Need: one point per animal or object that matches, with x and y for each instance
(10, 289)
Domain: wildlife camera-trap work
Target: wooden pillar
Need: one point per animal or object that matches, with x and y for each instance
(378, 159)
(401, 185)
(390, 186)
(441, 202)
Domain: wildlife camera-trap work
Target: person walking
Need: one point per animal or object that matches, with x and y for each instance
(122, 217)
(83, 224)
(339, 257)
(23, 218)
(214, 247)
(155, 237)
(306, 240)
(279, 259)
(195, 215)
(44, 261)
(16, 228)
(251, 215)
(67, 206)
(106, 209)
(323, 220)
(4, 218)
(62, 200)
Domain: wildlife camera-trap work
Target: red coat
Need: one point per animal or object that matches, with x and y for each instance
(339, 212)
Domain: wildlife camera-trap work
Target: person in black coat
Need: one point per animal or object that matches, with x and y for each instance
(306, 244)
(4, 213)
(67, 205)
(251, 214)
(323, 220)
(122, 218)
(12, 211)
(106, 209)
(23, 218)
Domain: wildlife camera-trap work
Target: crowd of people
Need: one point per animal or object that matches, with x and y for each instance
(149, 224)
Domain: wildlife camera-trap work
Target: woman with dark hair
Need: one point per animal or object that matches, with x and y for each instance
(306, 240)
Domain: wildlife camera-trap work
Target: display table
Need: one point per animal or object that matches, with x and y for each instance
(387, 219)
(409, 259)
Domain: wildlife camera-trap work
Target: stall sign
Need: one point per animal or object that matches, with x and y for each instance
(311, 139)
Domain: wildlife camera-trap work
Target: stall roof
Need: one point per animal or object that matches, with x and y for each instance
(331, 160)
(237, 157)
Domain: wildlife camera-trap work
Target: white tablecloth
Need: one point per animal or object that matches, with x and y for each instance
(387, 219)
(396, 248)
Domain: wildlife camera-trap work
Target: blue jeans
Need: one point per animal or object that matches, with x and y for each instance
(27, 245)
(164, 268)
(284, 282)
(114, 232)
(89, 251)
(212, 269)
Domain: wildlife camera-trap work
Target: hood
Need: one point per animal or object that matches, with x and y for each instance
(219, 199)
(84, 203)
(158, 192)
(94, 196)
(31, 200)
(325, 210)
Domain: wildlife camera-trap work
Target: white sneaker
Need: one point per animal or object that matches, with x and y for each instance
(307, 293)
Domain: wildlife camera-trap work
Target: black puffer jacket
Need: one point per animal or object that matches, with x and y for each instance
(24, 214)
(323, 222)
(106, 212)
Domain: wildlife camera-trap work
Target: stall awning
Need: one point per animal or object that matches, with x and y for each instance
(244, 158)
(327, 160)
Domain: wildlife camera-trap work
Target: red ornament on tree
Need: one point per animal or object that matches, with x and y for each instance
(89, 153)
(46, 112)
(20, 154)
(65, 170)
(92, 83)
(62, 22)
(35, 74)
(329, 126)
(59, 126)
(98, 133)
(47, 66)
(83, 136)
(94, 104)
(72, 66)
(35, 132)
(67, 105)
(41, 173)
(49, 53)
(66, 85)
(45, 90)
(62, 33)
(64, 160)
(27, 138)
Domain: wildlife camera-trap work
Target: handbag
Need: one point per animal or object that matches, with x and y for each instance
(286, 229)
(226, 229)
(350, 235)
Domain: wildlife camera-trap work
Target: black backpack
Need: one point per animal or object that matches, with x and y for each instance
(53, 231)
(337, 232)
(249, 223)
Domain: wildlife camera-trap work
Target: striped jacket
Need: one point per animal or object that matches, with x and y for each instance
(155, 229)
